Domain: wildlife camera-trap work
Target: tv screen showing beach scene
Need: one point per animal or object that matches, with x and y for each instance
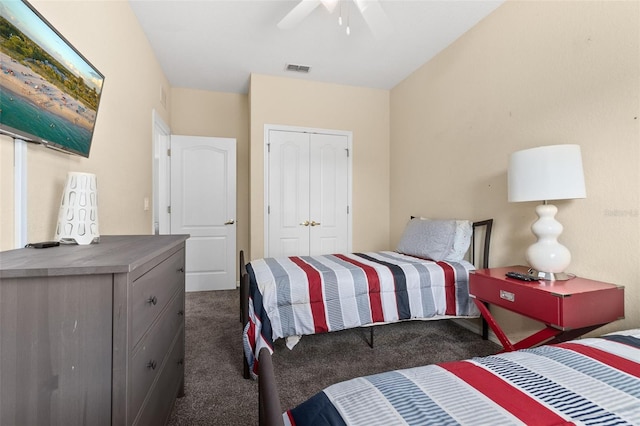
(49, 93)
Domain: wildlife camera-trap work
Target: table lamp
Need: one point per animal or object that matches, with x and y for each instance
(546, 173)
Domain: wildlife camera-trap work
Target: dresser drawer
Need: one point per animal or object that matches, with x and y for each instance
(157, 407)
(149, 356)
(152, 291)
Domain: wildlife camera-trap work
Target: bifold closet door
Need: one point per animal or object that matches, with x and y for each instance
(308, 194)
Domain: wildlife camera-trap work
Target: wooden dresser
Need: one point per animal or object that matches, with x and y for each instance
(92, 335)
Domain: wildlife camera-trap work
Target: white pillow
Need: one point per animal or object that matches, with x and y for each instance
(461, 241)
(436, 239)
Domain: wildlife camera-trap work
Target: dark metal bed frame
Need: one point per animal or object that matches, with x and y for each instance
(269, 408)
(480, 242)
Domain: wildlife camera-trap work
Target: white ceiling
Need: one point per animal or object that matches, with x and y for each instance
(215, 44)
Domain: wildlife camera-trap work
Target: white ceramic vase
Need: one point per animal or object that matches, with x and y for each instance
(78, 215)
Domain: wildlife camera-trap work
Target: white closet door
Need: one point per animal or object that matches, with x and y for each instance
(329, 189)
(308, 194)
(288, 194)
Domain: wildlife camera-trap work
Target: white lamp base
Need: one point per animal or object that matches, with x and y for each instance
(547, 257)
(550, 276)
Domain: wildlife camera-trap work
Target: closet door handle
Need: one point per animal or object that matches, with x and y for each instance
(230, 222)
(314, 223)
(305, 223)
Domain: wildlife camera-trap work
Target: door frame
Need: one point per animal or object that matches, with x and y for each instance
(161, 135)
(298, 129)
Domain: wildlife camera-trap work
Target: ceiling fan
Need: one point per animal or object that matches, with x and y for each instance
(371, 11)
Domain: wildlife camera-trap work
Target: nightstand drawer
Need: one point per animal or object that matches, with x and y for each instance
(524, 299)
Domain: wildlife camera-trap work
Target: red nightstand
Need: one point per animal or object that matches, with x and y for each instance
(569, 309)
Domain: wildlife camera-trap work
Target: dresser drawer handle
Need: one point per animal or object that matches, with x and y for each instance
(153, 300)
(151, 365)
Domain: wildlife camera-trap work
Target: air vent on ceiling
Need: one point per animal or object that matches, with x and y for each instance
(298, 68)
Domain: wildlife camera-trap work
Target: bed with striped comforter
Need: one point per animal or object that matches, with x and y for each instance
(593, 381)
(293, 296)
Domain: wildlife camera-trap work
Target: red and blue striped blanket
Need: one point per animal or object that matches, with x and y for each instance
(592, 381)
(304, 295)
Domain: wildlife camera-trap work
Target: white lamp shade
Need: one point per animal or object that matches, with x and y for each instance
(551, 172)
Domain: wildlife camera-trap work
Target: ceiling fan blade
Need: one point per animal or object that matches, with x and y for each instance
(298, 13)
(375, 17)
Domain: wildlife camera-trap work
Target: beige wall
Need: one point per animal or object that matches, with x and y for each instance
(365, 112)
(532, 73)
(108, 34)
(226, 115)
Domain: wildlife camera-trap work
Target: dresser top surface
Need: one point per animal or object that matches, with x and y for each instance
(113, 254)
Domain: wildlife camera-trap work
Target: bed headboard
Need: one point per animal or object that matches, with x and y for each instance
(481, 239)
(480, 243)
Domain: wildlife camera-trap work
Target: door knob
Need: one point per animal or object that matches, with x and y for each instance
(314, 223)
(230, 222)
(305, 223)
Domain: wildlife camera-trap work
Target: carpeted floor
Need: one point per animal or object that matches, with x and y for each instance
(217, 395)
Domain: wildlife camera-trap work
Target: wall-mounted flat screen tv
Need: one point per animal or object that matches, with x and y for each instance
(49, 92)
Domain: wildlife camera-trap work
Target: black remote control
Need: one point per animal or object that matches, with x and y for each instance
(520, 276)
(44, 244)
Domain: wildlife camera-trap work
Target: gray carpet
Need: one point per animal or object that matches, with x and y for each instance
(217, 395)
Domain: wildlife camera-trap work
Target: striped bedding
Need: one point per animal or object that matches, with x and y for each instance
(304, 295)
(582, 382)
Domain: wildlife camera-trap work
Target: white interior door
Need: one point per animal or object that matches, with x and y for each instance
(203, 204)
(308, 193)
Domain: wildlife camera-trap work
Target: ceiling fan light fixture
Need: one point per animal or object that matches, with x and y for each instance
(348, 26)
(371, 10)
(330, 5)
